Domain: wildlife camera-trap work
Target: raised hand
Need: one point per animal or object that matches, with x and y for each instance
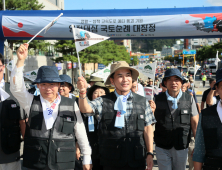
(81, 84)
(22, 51)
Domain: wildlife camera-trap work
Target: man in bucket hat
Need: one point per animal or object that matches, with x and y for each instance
(208, 146)
(176, 114)
(125, 121)
(52, 123)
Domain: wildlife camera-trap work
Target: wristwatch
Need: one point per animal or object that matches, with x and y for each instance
(150, 153)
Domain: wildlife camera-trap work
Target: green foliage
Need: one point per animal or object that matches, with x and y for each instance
(22, 5)
(144, 45)
(104, 52)
(209, 52)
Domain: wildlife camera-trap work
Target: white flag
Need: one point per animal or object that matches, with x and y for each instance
(217, 59)
(10, 65)
(31, 75)
(104, 73)
(84, 39)
(147, 69)
(196, 68)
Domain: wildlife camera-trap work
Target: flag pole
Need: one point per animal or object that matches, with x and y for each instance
(217, 61)
(195, 71)
(44, 28)
(154, 79)
(80, 72)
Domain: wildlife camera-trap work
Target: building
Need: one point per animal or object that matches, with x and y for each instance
(200, 42)
(52, 4)
(168, 50)
(126, 43)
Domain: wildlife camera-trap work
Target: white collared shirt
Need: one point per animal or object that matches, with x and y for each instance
(25, 100)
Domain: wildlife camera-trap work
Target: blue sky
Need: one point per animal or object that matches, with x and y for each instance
(137, 4)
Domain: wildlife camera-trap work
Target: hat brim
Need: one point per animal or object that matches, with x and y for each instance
(164, 79)
(135, 74)
(56, 80)
(93, 88)
(214, 88)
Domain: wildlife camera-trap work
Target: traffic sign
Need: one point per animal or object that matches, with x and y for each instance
(187, 51)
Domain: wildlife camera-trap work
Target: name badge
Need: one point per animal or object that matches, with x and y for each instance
(185, 111)
(141, 116)
(13, 105)
(69, 119)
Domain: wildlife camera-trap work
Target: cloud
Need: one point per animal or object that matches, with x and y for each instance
(215, 2)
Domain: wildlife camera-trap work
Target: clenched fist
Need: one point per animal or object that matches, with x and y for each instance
(81, 84)
(22, 51)
(152, 105)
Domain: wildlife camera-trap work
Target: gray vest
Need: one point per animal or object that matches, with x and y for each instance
(126, 146)
(172, 130)
(54, 148)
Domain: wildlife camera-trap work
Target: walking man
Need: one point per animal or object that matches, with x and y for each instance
(125, 121)
(176, 115)
(204, 79)
(53, 121)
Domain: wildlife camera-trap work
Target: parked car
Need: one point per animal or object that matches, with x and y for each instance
(212, 68)
(191, 70)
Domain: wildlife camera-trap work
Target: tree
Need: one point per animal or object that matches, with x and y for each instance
(209, 52)
(22, 5)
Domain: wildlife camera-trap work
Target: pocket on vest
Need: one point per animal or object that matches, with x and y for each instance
(68, 125)
(65, 155)
(210, 138)
(111, 152)
(140, 121)
(36, 120)
(139, 152)
(185, 116)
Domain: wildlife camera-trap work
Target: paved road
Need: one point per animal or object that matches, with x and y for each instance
(199, 92)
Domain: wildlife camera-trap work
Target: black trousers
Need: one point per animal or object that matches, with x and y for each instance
(123, 168)
(204, 83)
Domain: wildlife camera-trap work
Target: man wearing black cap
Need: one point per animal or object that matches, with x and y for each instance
(208, 147)
(52, 123)
(176, 115)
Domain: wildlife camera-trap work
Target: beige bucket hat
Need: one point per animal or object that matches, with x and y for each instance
(118, 66)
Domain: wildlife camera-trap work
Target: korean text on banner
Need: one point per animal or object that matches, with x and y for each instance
(84, 39)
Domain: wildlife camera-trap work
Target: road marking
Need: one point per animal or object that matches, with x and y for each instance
(199, 93)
